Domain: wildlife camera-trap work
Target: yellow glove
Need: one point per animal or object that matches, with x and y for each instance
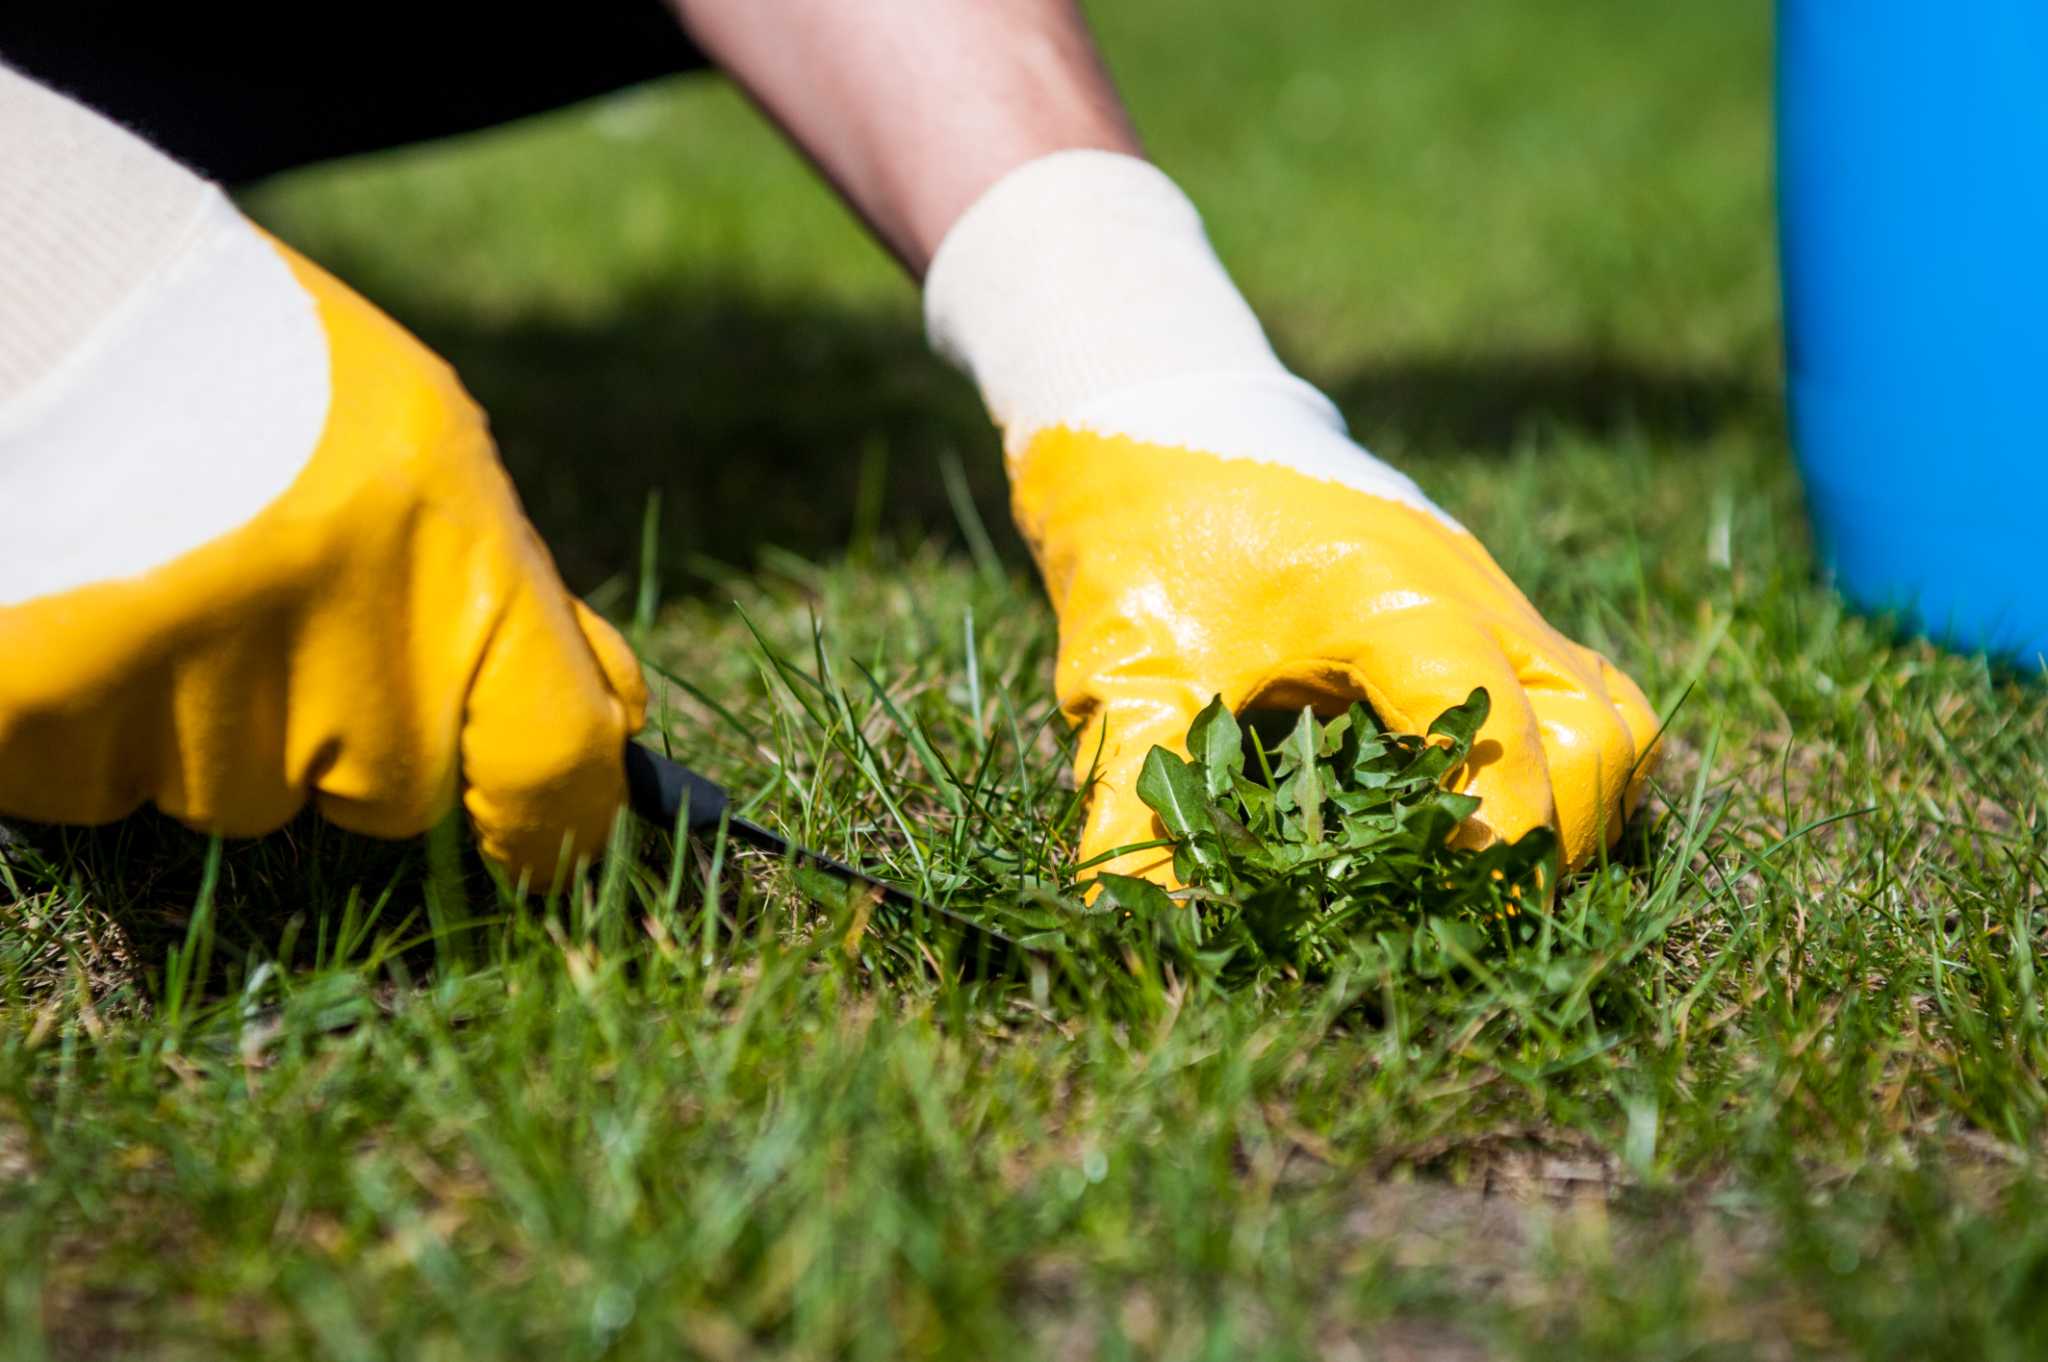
(256, 547)
(1205, 527)
(1178, 575)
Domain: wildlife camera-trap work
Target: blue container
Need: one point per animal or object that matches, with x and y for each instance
(1913, 226)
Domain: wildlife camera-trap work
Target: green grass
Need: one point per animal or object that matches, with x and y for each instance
(1770, 1084)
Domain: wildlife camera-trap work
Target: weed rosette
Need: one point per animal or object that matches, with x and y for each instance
(1307, 847)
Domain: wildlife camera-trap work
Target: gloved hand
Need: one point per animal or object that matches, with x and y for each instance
(1204, 526)
(256, 547)
(1178, 574)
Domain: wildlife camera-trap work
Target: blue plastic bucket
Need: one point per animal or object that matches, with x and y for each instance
(1913, 232)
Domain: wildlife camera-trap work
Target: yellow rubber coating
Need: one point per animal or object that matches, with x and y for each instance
(389, 635)
(1177, 575)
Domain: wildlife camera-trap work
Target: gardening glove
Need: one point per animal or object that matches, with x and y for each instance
(1205, 526)
(256, 546)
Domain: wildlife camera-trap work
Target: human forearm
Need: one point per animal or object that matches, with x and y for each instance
(914, 107)
(1203, 521)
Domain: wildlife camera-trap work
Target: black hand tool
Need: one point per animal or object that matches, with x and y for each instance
(661, 790)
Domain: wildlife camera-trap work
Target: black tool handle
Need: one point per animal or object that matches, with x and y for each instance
(660, 788)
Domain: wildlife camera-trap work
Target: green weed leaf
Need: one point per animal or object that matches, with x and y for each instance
(1172, 789)
(1304, 745)
(1462, 724)
(1217, 745)
(1331, 841)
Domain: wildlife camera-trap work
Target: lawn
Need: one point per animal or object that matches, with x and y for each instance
(1767, 1085)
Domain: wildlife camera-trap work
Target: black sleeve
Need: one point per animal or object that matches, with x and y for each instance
(240, 90)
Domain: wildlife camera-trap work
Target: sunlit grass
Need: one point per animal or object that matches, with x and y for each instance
(1768, 1083)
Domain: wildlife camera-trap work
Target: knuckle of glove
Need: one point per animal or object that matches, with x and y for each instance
(543, 740)
(1589, 753)
(543, 807)
(1256, 582)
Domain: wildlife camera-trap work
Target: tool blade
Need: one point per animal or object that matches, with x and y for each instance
(664, 791)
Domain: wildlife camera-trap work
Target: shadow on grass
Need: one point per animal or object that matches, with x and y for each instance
(1489, 403)
(752, 419)
(752, 416)
(106, 904)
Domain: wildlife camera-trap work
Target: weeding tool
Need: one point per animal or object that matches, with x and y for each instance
(663, 791)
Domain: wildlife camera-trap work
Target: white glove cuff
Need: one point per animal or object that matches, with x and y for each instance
(88, 213)
(163, 377)
(1081, 290)
(1080, 274)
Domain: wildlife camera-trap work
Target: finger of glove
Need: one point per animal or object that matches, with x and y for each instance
(1590, 752)
(90, 730)
(1412, 669)
(1628, 698)
(543, 741)
(1585, 741)
(1113, 747)
(621, 665)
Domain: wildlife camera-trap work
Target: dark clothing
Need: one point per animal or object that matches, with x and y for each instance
(240, 90)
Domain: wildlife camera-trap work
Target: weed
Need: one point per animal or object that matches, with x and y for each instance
(1343, 834)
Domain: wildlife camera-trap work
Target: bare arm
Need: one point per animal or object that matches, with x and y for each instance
(914, 107)
(1205, 524)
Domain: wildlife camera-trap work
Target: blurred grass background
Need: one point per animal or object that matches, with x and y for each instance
(1770, 1087)
(1472, 225)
